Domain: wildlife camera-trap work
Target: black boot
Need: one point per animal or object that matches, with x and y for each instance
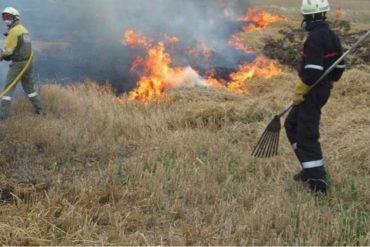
(302, 176)
(318, 181)
(40, 112)
(315, 177)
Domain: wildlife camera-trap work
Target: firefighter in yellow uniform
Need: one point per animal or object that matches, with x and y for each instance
(18, 50)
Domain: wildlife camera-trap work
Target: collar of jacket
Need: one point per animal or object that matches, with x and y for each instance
(315, 24)
(15, 23)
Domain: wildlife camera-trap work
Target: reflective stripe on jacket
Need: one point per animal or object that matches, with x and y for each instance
(321, 49)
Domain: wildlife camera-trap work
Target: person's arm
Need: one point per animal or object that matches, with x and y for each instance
(337, 73)
(10, 44)
(312, 68)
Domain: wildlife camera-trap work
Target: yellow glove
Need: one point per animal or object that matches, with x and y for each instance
(300, 91)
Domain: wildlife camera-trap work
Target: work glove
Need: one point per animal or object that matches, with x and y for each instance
(301, 90)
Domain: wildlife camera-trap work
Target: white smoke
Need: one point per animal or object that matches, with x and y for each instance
(92, 31)
(193, 79)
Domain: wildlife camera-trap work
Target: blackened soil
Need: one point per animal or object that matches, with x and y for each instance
(287, 50)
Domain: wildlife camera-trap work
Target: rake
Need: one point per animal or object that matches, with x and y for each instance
(268, 144)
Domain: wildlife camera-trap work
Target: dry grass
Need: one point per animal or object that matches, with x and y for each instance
(95, 172)
(180, 173)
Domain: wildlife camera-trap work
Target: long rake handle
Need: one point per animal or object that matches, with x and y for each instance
(330, 69)
(267, 145)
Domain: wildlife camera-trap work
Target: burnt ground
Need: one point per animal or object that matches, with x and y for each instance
(287, 48)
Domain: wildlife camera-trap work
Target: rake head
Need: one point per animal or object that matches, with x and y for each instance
(268, 144)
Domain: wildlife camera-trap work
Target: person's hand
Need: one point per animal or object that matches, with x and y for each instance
(300, 91)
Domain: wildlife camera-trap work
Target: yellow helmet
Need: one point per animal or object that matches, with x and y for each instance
(12, 11)
(314, 6)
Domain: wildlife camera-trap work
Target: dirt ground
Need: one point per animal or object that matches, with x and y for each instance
(283, 41)
(287, 48)
(355, 10)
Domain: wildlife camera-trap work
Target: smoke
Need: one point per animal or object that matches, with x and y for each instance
(75, 39)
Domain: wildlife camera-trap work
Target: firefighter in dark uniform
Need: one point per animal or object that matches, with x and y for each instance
(321, 49)
(18, 50)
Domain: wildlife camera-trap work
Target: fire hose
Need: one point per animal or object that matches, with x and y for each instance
(19, 76)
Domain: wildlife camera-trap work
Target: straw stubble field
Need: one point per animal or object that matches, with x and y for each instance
(180, 173)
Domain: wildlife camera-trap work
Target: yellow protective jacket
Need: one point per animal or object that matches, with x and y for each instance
(17, 45)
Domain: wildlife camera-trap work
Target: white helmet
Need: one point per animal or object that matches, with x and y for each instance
(314, 6)
(11, 11)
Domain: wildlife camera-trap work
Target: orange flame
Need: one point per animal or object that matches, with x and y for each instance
(158, 75)
(259, 19)
(261, 67)
(338, 13)
(133, 38)
(238, 44)
(170, 40)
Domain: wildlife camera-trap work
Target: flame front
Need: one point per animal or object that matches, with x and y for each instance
(259, 19)
(236, 42)
(262, 67)
(158, 74)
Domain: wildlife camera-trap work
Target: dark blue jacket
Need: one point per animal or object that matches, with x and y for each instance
(321, 49)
